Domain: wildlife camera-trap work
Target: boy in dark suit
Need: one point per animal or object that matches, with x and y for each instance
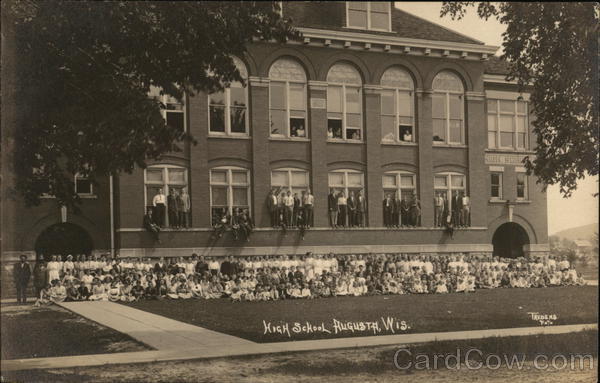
(22, 273)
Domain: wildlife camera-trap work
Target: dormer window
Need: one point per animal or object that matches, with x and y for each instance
(371, 15)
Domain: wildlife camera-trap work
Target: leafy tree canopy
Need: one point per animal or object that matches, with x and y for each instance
(84, 71)
(554, 46)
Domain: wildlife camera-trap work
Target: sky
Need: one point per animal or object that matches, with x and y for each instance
(582, 207)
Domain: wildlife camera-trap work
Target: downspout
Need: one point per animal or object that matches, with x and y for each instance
(112, 218)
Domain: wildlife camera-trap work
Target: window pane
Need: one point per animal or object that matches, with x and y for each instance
(439, 106)
(521, 140)
(217, 98)
(491, 120)
(336, 179)
(521, 124)
(238, 120)
(84, 186)
(380, 6)
(286, 69)
(297, 128)
(507, 106)
(455, 107)
(521, 185)
(240, 196)
(406, 133)
(405, 103)
(334, 128)
(175, 120)
(398, 78)
(239, 177)
(495, 191)
(495, 178)
(297, 97)
(219, 195)
(344, 73)
(218, 176)
(439, 130)
(238, 96)
(380, 20)
(217, 119)
(277, 95)
(299, 179)
(506, 123)
(440, 181)
(521, 107)
(389, 180)
(457, 181)
(354, 179)
(352, 100)
(447, 81)
(456, 131)
(176, 176)
(360, 5)
(278, 119)
(353, 120)
(388, 128)
(154, 175)
(357, 18)
(406, 181)
(352, 134)
(491, 106)
(279, 178)
(491, 139)
(334, 99)
(506, 139)
(387, 102)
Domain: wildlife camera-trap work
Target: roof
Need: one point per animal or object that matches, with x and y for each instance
(331, 15)
(495, 65)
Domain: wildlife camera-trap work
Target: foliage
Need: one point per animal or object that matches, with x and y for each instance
(553, 46)
(84, 71)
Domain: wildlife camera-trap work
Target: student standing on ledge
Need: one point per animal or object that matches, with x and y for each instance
(343, 209)
(159, 202)
(332, 206)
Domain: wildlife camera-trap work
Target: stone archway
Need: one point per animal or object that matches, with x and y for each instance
(63, 239)
(509, 239)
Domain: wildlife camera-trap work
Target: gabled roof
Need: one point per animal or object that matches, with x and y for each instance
(332, 15)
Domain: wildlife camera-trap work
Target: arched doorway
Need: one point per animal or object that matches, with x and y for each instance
(509, 240)
(63, 239)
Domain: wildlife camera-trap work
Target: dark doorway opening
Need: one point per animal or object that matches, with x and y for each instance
(509, 240)
(63, 239)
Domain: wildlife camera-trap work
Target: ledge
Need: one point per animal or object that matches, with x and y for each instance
(390, 143)
(354, 142)
(509, 151)
(452, 146)
(229, 137)
(269, 229)
(290, 139)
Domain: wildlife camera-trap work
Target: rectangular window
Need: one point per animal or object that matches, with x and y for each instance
(372, 15)
(229, 190)
(522, 186)
(496, 185)
(83, 186)
(507, 124)
(167, 178)
(344, 116)
(227, 111)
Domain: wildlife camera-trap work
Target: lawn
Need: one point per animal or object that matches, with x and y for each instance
(369, 315)
(369, 364)
(36, 332)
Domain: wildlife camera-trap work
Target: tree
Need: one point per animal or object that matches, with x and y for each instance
(554, 46)
(84, 71)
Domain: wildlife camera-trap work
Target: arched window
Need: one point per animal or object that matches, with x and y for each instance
(397, 106)
(168, 178)
(294, 180)
(287, 99)
(347, 181)
(449, 185)
(228, 108)
(344, 103)
(229, 189)
(448, 109)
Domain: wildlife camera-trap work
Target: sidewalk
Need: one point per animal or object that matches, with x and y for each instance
(180, 341)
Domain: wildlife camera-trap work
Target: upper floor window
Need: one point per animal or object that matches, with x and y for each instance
(397, 106)
(173, 111)
(496, 185)
(448, 109)
(450, 186)
(228, 108)
(373, 15)
(507, 124)
(83, 186)
(229, 190)
(344, 103)
(294, 180)
(522, 187)
(287, 99)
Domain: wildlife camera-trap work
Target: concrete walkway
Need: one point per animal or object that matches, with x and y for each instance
(180, 341)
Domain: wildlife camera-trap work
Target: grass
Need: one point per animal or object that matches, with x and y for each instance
(30, 332)
(484, 309)
(351, 365)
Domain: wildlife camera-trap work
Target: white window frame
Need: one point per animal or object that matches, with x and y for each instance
(165, 184)
(345, 187)
(227, 96)
(289, 113)
(343, 87)
(399, 174)
(80, 177)
(500, 185)
(447, 94)
(288, 185)
(525, 187)
(230, 186)
(166, 100)
(449, 188)
(497, 113)
(369, 27)
(397, 90)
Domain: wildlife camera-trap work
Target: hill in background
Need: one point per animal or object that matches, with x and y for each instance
(579, 232)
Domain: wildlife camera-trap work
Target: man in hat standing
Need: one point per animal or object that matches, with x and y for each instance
(22, 273)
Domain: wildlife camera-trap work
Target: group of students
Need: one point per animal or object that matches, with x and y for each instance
(401, 212)
(457, 213)
(289, 277)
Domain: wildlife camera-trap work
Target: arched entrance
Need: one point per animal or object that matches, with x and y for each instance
(509, 240)
(63, 239)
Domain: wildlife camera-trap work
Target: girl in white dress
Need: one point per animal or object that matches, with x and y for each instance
(52, 268)
(68, 265)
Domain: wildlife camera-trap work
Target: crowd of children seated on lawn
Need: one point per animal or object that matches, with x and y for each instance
(260, 278)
